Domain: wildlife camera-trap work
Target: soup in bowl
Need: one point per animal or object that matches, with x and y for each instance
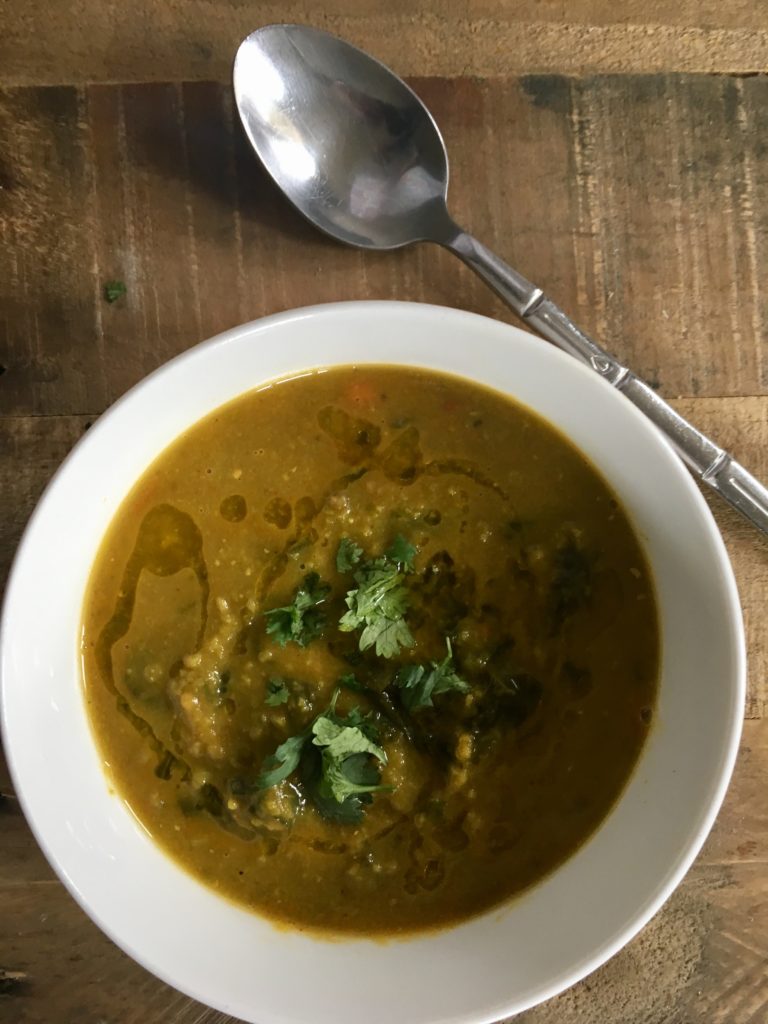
(385, 642)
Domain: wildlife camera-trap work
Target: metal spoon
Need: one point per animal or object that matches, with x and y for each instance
(358, 153)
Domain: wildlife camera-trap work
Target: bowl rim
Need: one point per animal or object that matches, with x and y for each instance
(330, 310)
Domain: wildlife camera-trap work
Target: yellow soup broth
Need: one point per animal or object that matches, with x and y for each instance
(370, 650)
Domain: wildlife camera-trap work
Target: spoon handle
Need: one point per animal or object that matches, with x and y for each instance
(710, 463)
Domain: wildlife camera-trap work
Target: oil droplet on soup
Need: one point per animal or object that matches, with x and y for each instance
(408, 686)
(234, 508)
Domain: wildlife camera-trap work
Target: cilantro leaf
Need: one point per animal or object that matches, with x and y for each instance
(401, 552)
(277, 692)
(283, 762)
(337, 755)
(340, 739)
(354, 717)
(353, 776)
(348, 555)
(420, 683)
(113, 290)
(379, 602)
(345, 756)
(350, 810)
(361, 772)
(387, 635)
(300, 622)
(349, 681)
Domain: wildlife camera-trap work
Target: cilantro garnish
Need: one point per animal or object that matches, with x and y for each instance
(300, 622)
(348, 555)
(283, 762)
(401, 552)
(340, 762)
(113, 290)
(349, 681)
(277, 692)
(378, 603)
(420, 683)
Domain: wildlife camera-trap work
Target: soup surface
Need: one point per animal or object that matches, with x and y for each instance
(370, 650)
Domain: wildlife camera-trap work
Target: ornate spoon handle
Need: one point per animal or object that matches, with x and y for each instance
(704, 458)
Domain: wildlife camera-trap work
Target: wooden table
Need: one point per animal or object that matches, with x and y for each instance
(639, 199)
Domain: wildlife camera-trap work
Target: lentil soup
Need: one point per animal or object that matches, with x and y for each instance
(370, 650)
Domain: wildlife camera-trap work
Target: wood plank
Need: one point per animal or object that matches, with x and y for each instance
(155, 39)
(21, 859)
(31, 449)
(638, 203)
(47, 283)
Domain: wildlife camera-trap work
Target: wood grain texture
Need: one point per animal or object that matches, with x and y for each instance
(31, 449)
(42, 41)
(640, 202)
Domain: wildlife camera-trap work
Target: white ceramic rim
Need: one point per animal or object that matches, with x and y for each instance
(551, 361)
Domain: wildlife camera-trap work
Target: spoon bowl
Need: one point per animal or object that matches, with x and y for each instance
(356, 152)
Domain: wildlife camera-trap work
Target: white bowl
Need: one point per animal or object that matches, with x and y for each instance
(494, 965)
